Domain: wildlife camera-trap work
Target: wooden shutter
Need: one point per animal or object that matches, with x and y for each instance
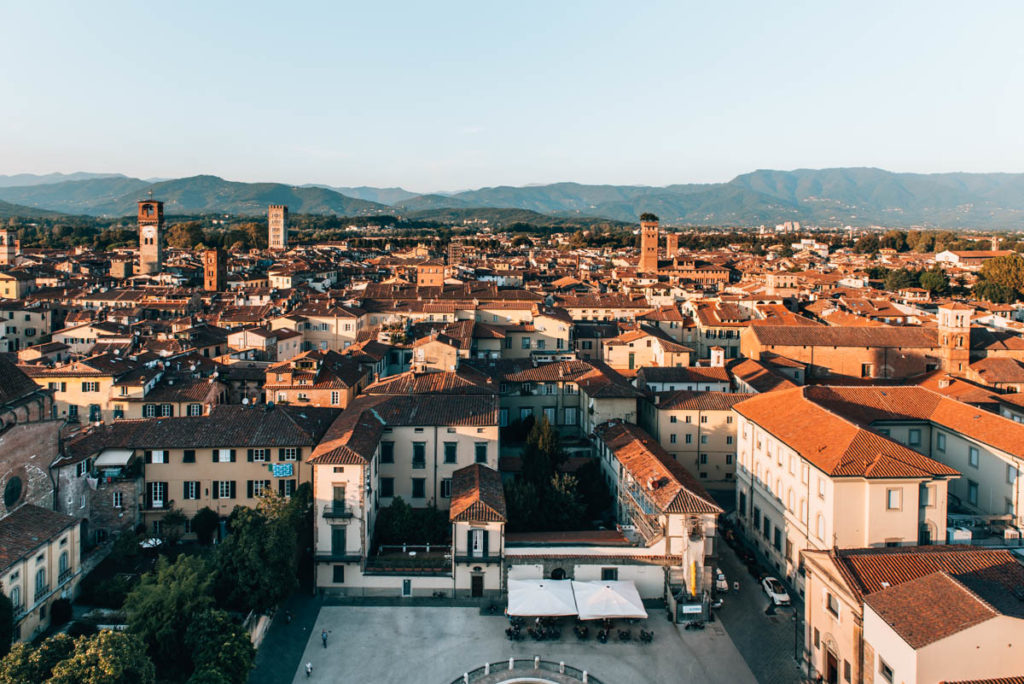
(148, 456)
(184, 489)
(248, 488)
(232, 455)
(486, 535)
(248, 455)
(469, 543)
(280, 454)
(215, 455)
(216, 489)
(231, 489)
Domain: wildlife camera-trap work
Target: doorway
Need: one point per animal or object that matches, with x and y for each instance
(406, 588)
(476, 586)
(831, 668)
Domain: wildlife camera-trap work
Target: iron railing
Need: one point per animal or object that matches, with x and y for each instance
(535, 664)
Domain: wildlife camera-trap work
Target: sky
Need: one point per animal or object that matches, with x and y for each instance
(453, 95)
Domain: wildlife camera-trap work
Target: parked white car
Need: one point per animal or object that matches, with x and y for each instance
(721, 584)
(775, 591)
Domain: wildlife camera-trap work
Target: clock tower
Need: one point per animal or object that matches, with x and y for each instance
(151, 237)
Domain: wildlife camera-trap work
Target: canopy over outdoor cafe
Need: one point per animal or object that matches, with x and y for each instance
(588, 600)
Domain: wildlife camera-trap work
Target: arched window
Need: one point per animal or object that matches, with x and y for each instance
(40, 583)
(63, 564)
(16, 597)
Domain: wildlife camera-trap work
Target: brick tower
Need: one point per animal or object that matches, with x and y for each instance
(955, 337)
(648, 244)
(277, 225)
(215, 270)
(151, 236)
(671, 244)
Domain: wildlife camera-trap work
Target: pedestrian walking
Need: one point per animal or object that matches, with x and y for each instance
(323, 635)
(309, 670)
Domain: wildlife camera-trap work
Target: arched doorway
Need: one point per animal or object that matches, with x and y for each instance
(558, 574)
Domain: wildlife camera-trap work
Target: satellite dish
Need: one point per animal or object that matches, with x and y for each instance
(245, 401)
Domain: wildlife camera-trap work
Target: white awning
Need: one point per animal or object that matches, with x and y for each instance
(540, 598)
(113, 458)
(608, 599)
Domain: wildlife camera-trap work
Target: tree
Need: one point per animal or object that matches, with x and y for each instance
(899, 279)
(26, 663)
(997, 294)
(208, 677)
(564, 507)
(256, 564)
(106, 658)
(172, 526)
(866, 245)
(593, 489)
(185, 235)
(542, 454)
(161, 608)
(1005, 271)
(647, 216)
(6, 623)
(221, 646)
(934, 280)
(205, 523)
(524, 506)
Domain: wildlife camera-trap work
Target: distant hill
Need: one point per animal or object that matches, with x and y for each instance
(841, 196)
(21, 179)
(504, 217)
(364, 192)
(75, 197)
(195, 195)
(8, 210)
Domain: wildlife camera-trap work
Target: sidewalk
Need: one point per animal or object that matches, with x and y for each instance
(278, 657)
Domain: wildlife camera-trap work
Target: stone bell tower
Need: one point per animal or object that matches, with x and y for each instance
(955, 337)
(151, 236)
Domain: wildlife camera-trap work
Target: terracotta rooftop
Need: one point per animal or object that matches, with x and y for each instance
(26, 528)
(477, 495)
(844, 336)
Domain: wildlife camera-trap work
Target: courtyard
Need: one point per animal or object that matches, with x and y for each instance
(437, 644)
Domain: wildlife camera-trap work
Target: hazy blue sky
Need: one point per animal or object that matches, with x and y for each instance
(445, 95)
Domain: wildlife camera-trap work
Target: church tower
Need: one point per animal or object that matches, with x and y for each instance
(648, 244)
(277, 225)
(955, 337)
(8, 247)
(151, 236)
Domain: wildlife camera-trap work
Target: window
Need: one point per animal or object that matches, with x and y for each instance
(419, 455)
(777, 539)
(166, 410)
(289, 453)
(451, 452)
(188, 456)
(16, 598)
(821, 488)
(940, 441)
(149, 411)
(259, 455)
(728, 439)
(90, 386)
(703, 439)
(339, 574)
(893, 499)
(446, 488)
(672, 438)
(117, 499)
(257, 488)
(156, 456)
(820, 530)
(672, 419)
(914, 438)
(338, 540)
(832, 603)
(157, 494)
(609, 574)
(925, 496)
(419, 485)
(972, 492)
(481, 452)
(525, 343)
(195, 409)
(286, 487)
(743, 504)
(335, 400)
(1011, 474)
(972, 456)
(702, 458)
(885, 670)
(225, 489)
(846, 670)
(571, 416)
(190, 490)
(41, 587)
(688, 438)
(387, 452)
(387, 486)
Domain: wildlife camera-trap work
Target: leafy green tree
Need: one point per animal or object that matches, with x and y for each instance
(542, 454)
(106, 658)
(205, 523)
(524, 506)
(256, 563)
(593, 489)
(564, 507)
(172, 527)
(934, 280)
(208, 677)
(1005, 271)
(868, 244)
(163, 605)
(26, 663)
(185, 235)
(900, 279)
(6, 623)
(220, 645)
(997, 294)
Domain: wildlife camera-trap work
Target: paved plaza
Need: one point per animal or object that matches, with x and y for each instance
(435, 645)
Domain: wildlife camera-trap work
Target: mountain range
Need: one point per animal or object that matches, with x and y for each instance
(839, 196)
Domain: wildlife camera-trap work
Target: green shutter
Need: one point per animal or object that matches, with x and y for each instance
(487, 536)
(216, 489)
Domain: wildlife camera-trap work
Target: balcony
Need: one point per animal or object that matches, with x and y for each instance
(411, 559)
(41, 591)
(19, 611)
(65, 576)
(336, 510)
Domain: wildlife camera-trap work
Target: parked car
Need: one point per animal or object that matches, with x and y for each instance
(721, 584)
(775, 591)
